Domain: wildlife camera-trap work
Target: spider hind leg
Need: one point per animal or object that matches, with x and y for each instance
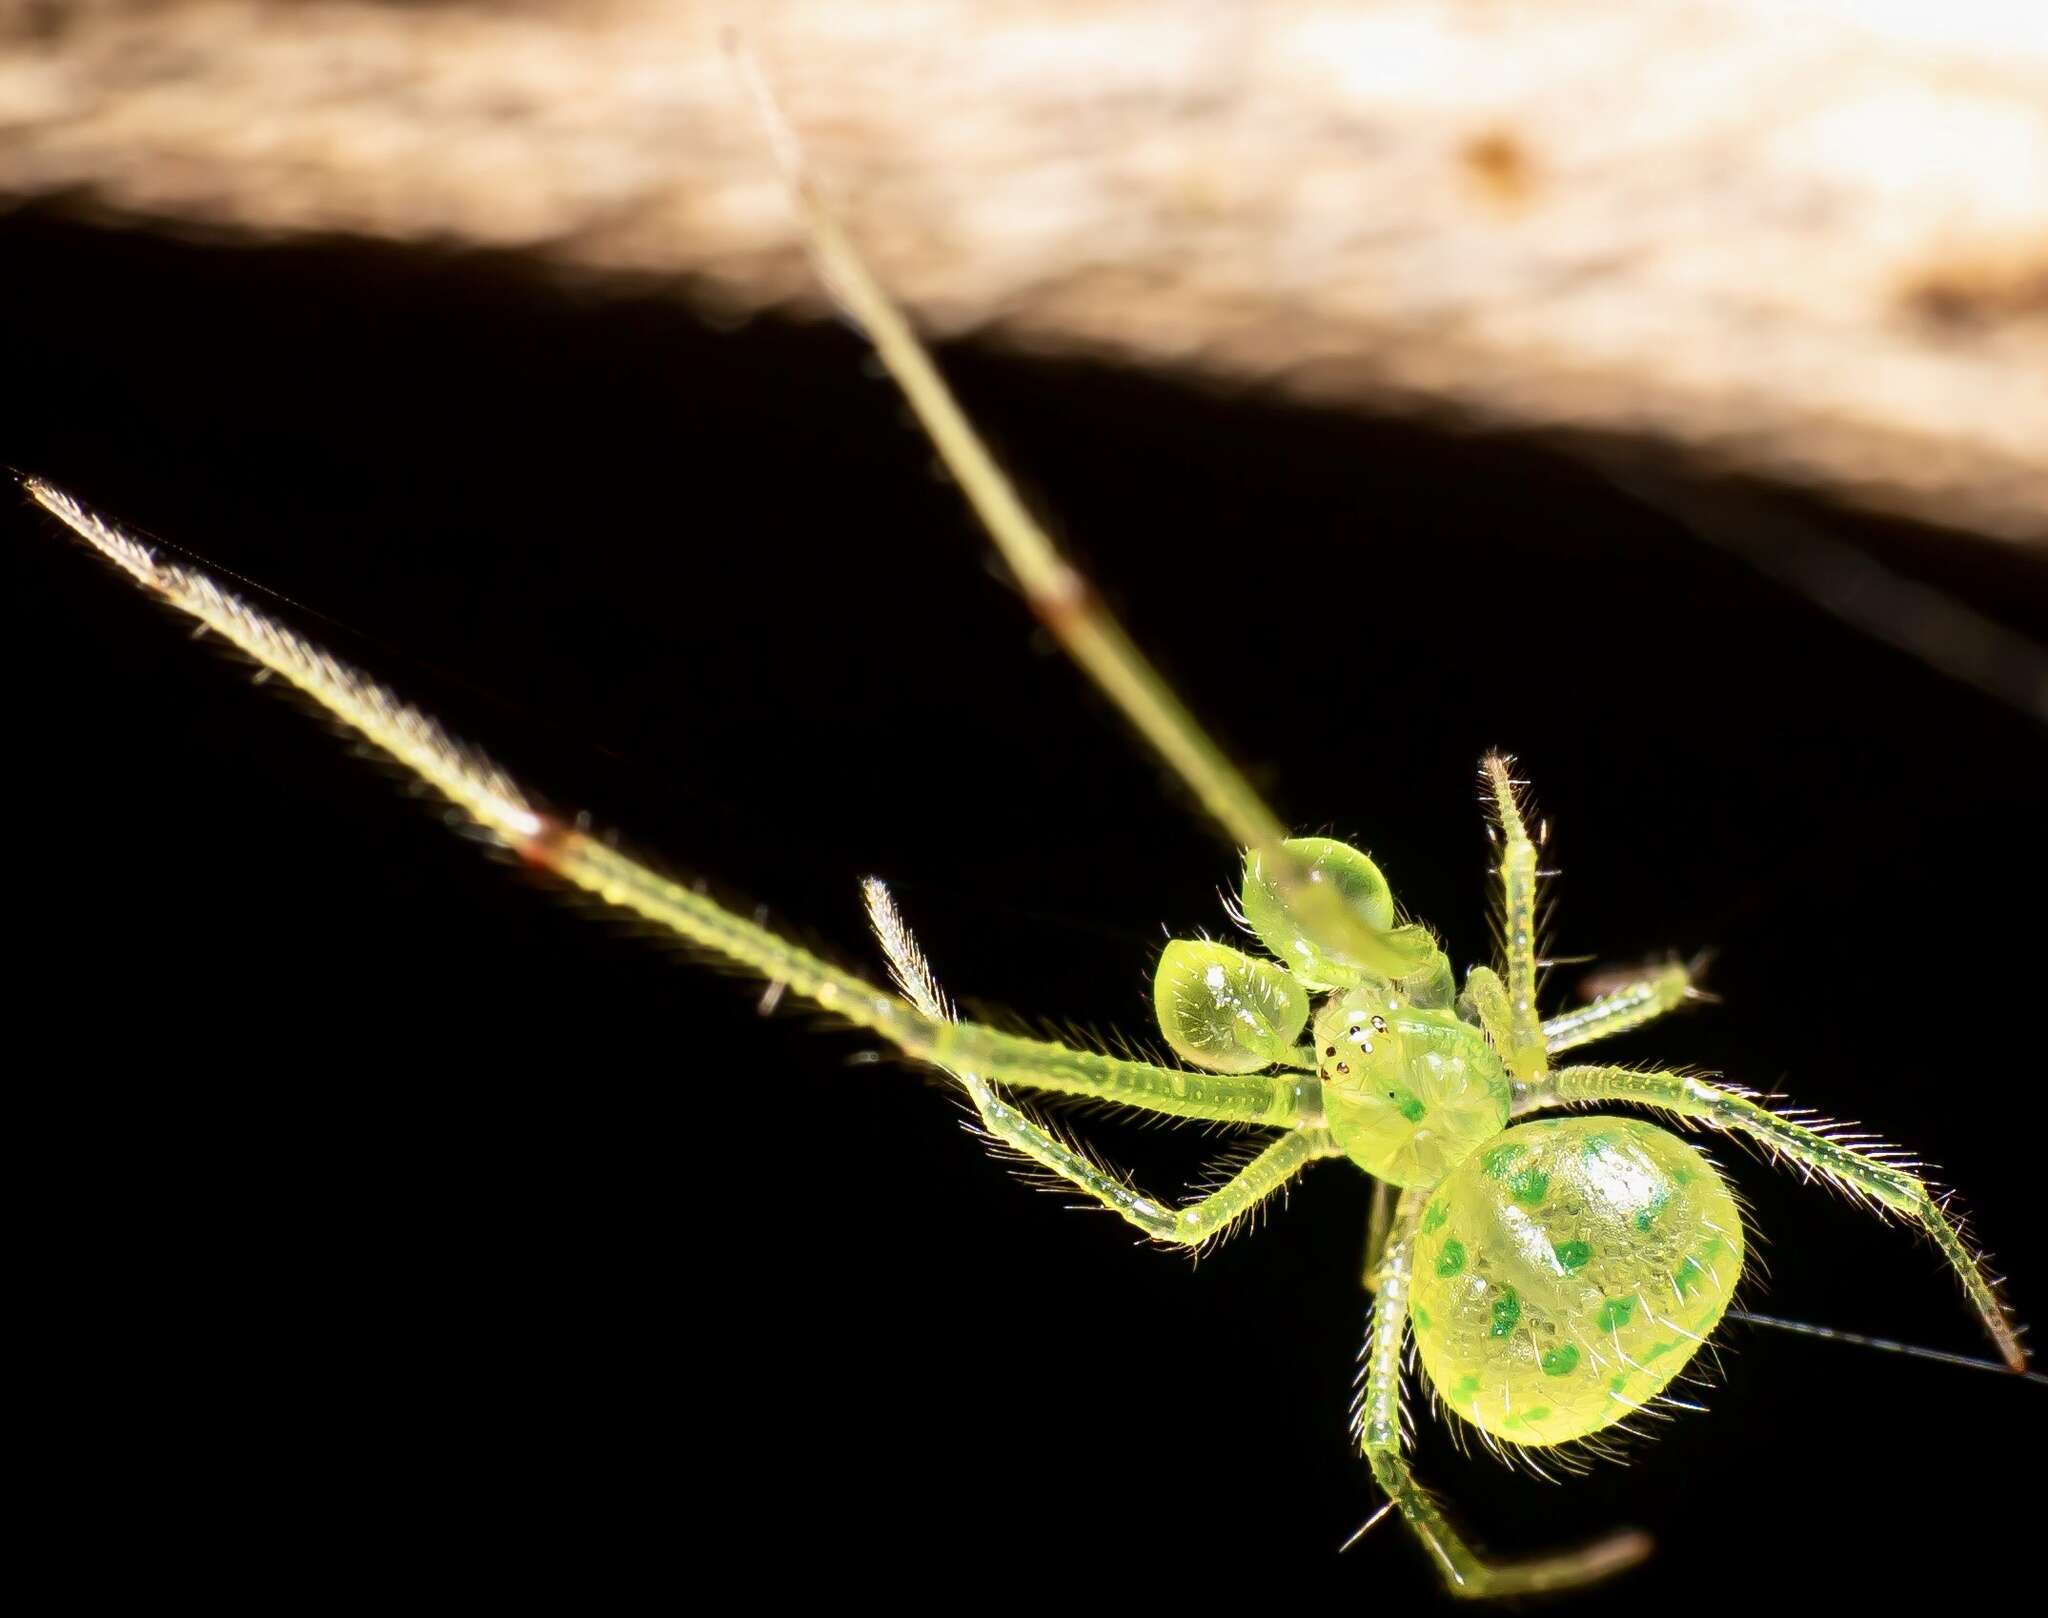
(1381, 1434)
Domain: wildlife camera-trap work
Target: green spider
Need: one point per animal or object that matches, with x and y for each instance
(1556, 1272)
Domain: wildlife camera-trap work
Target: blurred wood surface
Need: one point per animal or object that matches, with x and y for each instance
(1807, 243)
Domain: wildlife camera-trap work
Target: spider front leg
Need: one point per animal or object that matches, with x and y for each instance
(1884, 1185)
(1631, 1002)
(1524, 1050)
(1062, 598)
(1380, 1433)
(1195, 1224)
(495, 802)
(1508, 1011)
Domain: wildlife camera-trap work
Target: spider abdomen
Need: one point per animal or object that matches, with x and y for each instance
(1567, 1272)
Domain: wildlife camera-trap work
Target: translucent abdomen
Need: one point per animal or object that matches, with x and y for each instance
(1566, 1273)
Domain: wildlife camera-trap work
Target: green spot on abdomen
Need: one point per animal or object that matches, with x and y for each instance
(1409, 1105)
(1565, 1304)
(1529, 1187)
(1422, 1320)
(1452, 1259)
(1433, 1220)
(1559, 1361)
(1495, 1163)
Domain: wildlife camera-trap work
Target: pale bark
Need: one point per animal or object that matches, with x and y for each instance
(1808, 241)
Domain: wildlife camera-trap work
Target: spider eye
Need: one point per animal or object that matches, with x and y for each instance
(1379, 1025)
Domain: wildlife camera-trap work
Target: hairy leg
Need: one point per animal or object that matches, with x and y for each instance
(1056, 591)
(1866, 1173)
(1488, 998)
(1629, 1004)
(1380, 1432)
(1524, 1052)
(1193, 1225)
(495, 802)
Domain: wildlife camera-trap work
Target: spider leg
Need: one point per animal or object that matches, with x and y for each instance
(495, 802)
(1379, 1222)
(1627, 1006)
(1488, 997)
(1379, 1430)
(1884, 1185)
(1056, 591)
(1195, 1225)
(1524, 1051)
(1286, 1101)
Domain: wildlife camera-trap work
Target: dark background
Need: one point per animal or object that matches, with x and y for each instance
(392, 1221)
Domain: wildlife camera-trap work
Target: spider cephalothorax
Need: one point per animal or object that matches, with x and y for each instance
(1409, 1090)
